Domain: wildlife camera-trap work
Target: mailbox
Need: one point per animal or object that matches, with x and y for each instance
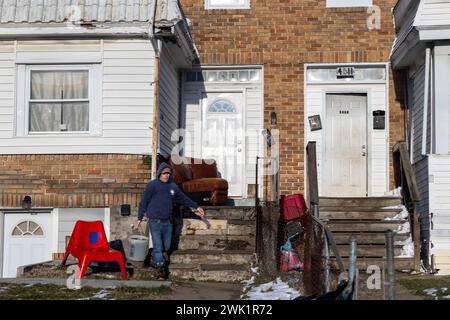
(379, 119)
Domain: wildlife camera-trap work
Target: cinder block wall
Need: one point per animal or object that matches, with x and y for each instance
(73, 181)
(283, 35)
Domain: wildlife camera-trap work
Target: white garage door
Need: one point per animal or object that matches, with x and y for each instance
(27, 240)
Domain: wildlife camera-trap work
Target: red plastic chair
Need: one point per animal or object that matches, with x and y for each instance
(89, 243)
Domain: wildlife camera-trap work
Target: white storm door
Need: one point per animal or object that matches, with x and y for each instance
(222, 137)
(345, 157)
(27, 240)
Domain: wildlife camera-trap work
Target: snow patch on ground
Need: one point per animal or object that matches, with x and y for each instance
(248, 283)
(431, 292)
(102, 294)
(274, 290)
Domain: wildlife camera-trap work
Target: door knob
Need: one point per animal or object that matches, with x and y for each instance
(363, 154)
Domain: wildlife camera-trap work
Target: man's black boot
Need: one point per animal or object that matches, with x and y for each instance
(161, 273)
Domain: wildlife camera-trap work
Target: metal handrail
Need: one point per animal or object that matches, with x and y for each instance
(330, 239)
(313, 199)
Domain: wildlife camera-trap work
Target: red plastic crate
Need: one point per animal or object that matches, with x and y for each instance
(294, 207)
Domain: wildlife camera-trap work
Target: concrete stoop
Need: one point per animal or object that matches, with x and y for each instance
(223, 253)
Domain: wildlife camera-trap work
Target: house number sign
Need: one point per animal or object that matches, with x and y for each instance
(345, 72)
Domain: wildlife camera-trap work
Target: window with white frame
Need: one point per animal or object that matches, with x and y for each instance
(348, 3)
(55, 99)
(227, 4)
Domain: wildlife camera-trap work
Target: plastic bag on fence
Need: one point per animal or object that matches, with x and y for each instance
(288, 259)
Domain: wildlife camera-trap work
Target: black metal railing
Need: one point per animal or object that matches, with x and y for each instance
(319, 241)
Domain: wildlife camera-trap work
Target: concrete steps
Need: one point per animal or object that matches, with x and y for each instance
(223, 252)
(204, 242)
(208, 272)
(368, 219)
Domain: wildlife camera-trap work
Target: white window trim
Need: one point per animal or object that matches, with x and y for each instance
(209, 5)
(23, 97)
(348, 3)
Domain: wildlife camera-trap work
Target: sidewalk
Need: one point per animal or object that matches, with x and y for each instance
(94, 283)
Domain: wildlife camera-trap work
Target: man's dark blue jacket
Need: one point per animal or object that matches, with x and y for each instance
(159, 197)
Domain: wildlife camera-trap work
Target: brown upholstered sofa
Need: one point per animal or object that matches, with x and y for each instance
(198, 178)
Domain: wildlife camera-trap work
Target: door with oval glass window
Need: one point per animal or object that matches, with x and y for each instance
(223, 138)
(27, 241)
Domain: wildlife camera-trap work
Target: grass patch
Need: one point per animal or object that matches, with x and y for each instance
(53, 271)
(55, 292)
(418, 285)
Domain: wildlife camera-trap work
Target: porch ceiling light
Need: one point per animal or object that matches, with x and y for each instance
(273, 118)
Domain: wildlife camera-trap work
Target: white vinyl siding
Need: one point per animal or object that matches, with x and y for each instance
(442, 98)
(439, 167)
(169, 100)
(348, 3)
(432, 13)
(227, 4)
(68, 217)
(126, 94)
(254, 140)
(7, 87)
(315, 104)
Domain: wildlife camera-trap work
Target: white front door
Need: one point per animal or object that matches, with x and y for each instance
(345, 158)
(27, 240)
(223, 136)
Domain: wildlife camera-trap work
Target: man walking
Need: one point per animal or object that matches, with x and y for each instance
(157, 203)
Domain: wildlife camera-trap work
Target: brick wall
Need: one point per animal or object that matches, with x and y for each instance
(73, 181)
(282, 35)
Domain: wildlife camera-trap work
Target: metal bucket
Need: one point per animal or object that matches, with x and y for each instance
(138, 247)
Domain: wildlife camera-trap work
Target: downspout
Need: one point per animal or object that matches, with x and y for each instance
(425, 102)
(155, 128)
